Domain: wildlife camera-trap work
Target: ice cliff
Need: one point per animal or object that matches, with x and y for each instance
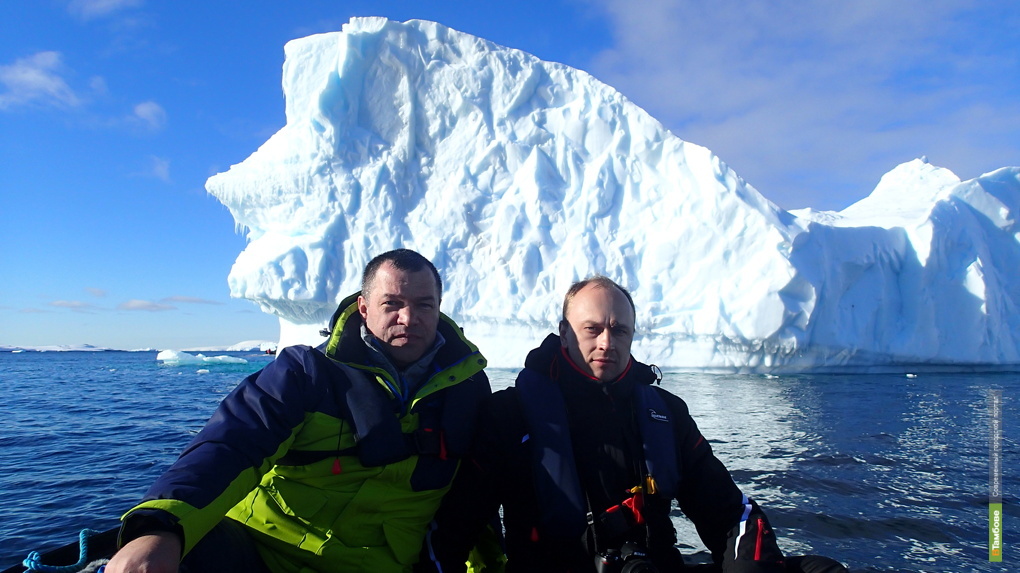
(518, 176)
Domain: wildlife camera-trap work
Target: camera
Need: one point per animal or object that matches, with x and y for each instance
(629, 558)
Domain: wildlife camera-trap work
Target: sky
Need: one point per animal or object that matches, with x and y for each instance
(113, 113)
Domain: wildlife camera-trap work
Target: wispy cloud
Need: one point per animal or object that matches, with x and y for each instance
(160, 168)
(41, 80)
(145, 305)
(98, 85)
(96, 292)
(149, 114)
(92, 9)
(190, 300)
(798, 95)
(75, 305)
(36, 80)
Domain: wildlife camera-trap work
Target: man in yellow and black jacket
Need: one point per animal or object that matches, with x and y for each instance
(329, 459)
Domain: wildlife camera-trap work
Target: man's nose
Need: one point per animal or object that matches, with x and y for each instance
(605, 340)
(406, 315)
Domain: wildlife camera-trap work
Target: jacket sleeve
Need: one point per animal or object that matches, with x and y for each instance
(252, 427)
(731, 525)
(468, 516)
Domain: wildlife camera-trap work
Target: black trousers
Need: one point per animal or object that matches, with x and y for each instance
(229, 548)
(813, 564)
(794, 564)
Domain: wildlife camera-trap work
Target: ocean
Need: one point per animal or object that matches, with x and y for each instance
(883, 472)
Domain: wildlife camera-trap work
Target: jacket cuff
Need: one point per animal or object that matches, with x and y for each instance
(752, 546)
(145, 521)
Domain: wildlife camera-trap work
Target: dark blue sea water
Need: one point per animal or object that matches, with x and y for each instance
(884, 472)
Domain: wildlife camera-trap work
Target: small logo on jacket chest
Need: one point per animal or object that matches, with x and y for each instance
(657, 416)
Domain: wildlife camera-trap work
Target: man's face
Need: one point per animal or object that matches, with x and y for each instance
(598, 331)
(402, 312)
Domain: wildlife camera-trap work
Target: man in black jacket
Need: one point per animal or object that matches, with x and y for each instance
(585, 456)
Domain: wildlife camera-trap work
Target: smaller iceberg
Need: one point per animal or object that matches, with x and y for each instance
(175, 358)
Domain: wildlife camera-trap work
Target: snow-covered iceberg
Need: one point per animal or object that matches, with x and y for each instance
(54, 348)
(178, 358)
(518, 176)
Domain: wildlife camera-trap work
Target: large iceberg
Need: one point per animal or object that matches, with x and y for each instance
(518, 176)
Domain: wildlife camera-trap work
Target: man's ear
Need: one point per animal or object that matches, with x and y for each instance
(564, 328)
(363, 307)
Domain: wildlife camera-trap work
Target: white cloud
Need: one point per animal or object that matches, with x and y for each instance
(150, 114)
(190, 300)
(145, 305)
(98, 85)
(74, 305)
(91, 9)
(160, 168)
(96, 292)
(36, 79)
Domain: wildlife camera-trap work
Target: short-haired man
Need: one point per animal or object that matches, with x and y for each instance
(585, 456)
(329, 459)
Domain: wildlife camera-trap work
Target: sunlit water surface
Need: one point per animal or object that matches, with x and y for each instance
(884, 472)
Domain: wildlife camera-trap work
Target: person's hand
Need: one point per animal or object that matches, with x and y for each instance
(158, 552)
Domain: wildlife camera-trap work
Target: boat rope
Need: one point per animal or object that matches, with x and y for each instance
(34, 560)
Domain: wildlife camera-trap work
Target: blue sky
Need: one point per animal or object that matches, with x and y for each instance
(113, 113)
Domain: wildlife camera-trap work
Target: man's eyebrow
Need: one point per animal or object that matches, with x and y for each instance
(422, 298)
(590, 322)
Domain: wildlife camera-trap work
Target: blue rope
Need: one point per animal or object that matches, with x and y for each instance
(34, 560)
